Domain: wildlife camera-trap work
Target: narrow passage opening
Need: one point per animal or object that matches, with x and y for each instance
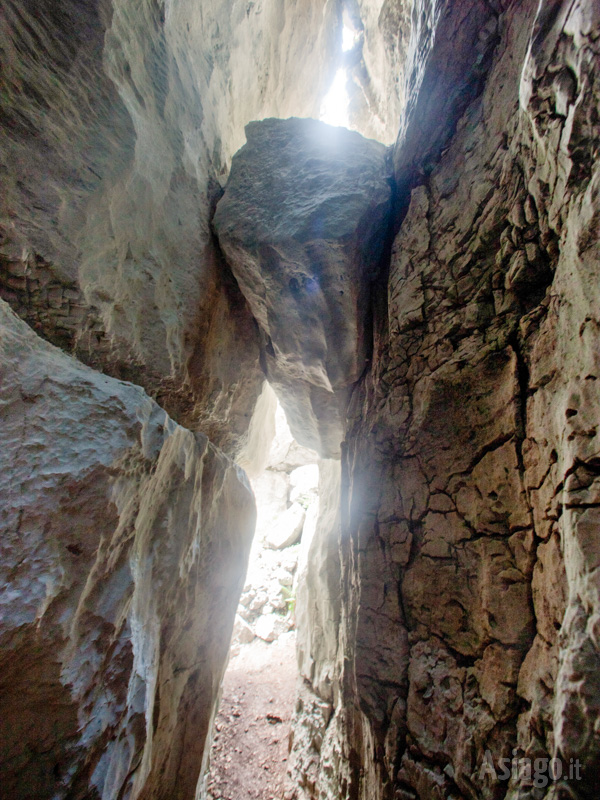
(249, 756)
(335, 105)
(251, 736)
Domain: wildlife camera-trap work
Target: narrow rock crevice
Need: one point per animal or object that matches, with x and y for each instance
(428, 315)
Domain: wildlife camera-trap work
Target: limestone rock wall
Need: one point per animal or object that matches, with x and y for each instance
(119, 122)
(400, 85)
(124, 546)
(318, 602)
(376, 65)
(468, 556)
(449, 613)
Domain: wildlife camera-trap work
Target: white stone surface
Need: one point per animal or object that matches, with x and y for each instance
(378, 64)
(286, 453)
(118, 131)
(120, 570)
(304, 482)
(258, 442)
(242, 632)
(287, 528)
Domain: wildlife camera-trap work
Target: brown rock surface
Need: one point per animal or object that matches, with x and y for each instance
(469, 563)
(449, 601)
(124, 546)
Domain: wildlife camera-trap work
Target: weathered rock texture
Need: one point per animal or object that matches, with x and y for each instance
(124, 547)
(119, 121)
(287, 508)
(303, 224)
(318, 600)
(376, 64)
(469, 499)
(461, 613)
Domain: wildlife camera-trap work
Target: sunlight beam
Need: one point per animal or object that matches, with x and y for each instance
(334, 109)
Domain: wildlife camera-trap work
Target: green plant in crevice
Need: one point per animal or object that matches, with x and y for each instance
(289, 596)
(305, 500)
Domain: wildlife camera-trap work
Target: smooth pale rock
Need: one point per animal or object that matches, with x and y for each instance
(242, 632)
(303, 224)
(269, 580)
(271, 490)
(305, 478)
(314, 734)
(318, 585)
(271, 486)
(124, 547)
(286, 453)
(253, 456)
(269, 626)
(378, 63)
(304, 483)
(287, 528)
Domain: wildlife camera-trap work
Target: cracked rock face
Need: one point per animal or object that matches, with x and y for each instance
(470, 593)
(303, 224)
(124, 546)
(449, 609)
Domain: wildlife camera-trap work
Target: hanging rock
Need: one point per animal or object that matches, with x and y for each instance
(303, 225)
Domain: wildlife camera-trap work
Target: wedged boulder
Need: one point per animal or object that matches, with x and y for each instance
(124, 547)
(469, 546)
(303, 225)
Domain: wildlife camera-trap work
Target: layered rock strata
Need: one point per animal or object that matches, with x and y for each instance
(124, 546)
(303, 224)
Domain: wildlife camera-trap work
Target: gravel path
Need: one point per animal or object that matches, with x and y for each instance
(250, 748)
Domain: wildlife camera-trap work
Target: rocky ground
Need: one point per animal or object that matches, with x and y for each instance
(250, 749)
(249, 756)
